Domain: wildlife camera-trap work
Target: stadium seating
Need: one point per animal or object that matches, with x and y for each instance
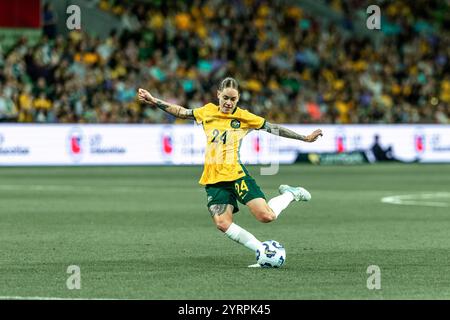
(292, 67)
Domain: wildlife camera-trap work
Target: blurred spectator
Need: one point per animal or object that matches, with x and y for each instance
(26, 105)
(8, 109)
(49, 21)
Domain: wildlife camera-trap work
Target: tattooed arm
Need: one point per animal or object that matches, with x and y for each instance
(284, 132)
(176, 110)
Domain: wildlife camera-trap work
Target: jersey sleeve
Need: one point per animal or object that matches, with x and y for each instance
(252, 121)
(200, 114)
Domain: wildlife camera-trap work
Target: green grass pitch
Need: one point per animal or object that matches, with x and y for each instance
(145, 233)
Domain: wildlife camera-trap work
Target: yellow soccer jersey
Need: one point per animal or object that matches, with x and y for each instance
(224, 133)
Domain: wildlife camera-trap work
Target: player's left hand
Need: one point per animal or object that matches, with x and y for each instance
(314, 136)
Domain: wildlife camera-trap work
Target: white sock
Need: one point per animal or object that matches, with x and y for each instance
(242, 236)
(280, 202)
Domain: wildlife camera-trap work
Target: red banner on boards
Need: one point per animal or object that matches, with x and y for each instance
(20, 14)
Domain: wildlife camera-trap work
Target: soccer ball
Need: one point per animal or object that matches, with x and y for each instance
(273, 256)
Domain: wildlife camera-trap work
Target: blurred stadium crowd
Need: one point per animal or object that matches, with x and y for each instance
(292, 67)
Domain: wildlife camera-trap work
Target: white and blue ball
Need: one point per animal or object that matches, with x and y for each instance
(273, 255)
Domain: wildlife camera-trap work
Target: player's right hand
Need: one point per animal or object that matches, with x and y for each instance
(145, 96)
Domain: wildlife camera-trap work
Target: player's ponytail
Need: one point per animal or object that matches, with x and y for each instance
(228, 83)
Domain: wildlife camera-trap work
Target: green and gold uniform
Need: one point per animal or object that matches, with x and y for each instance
(225, 178)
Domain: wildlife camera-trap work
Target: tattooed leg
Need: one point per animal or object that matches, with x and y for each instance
(218, 209)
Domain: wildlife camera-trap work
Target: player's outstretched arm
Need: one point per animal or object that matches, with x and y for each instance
(285, 132)
(176, 110)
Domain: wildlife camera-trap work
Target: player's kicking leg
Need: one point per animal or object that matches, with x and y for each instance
(269, 211)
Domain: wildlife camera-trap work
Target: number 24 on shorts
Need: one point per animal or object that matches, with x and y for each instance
(241, 188)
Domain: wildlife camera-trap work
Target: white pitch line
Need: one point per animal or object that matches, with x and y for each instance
(417, 199)
(49, 298)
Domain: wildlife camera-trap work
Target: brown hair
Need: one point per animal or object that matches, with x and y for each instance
(229, 83)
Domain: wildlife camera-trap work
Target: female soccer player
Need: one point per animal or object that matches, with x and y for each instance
(226, 180)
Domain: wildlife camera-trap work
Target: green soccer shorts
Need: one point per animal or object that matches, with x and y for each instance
(229, 192)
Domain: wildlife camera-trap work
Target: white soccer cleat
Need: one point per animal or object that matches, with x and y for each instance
(300, 194)
(256, 265)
